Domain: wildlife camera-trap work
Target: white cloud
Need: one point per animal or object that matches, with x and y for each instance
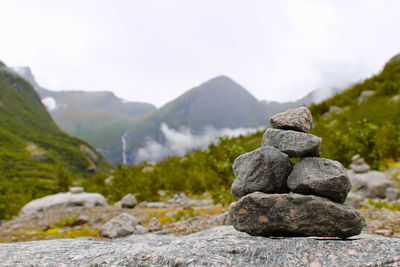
(179, 142)
(49, 103)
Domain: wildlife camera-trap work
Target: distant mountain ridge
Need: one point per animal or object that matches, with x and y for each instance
(36, 156)
(100, 118)
(104, 120)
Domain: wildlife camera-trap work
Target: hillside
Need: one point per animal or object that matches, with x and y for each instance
(36, 157)
(364, 119)
(370, 128)
(213, 108)
(100, 118)
(218, 103)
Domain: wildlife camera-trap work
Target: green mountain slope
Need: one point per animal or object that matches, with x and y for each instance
(36, 157)
(370, 128)
(100, 118)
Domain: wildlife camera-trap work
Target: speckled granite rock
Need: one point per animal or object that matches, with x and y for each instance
(299, 119)
(219, 246)
(295, 215)
(121, 225)
(294, 144)
(264, 169)
(320, 177)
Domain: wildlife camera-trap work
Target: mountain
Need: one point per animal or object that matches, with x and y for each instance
(218, 103)
(36, 157)
(314, 97)
(364, 119)
(123, 131)
(100, 118)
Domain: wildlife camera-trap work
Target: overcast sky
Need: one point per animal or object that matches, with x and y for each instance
(154, 50)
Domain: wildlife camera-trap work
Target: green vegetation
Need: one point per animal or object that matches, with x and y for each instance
(371, 129)
(36, 157)
(207, 170)
(381, 204)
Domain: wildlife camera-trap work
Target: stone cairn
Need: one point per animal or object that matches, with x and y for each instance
(358, 164)
(317, 186)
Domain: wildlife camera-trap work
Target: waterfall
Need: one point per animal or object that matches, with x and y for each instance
(123, 139)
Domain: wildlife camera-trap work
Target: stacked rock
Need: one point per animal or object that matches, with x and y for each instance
(358, 164)
(317, 186)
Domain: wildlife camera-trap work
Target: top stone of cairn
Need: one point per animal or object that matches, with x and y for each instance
(299, 119)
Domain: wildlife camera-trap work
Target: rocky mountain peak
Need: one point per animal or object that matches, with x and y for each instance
(26, 73)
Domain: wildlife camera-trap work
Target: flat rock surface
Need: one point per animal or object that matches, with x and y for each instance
(294, 144)
(321, 177)
(294, 215)
(264, 169)
(219, 246)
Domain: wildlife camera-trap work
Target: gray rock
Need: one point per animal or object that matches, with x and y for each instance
(396, 98)
(360, 168)
(295, 215)
(140, 230)
(294, 144)
(219, 246)
(372, 184)
(392, 193)
(358, 164)
(299, 119)
(76, 190)
(154, 225)
(264, 169)
(334, 109)
(63, 200)
(82, 219)
(119, 226)
(320, 177)
(364, 95)
(154, 205)
(355, 200)
(128, 201)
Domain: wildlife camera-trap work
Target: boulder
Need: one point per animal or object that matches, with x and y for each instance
(392, 193)
(63, 200)
(179, 199)
(299, 119)
(128, 201)
(358, 165)
(294, 144)
(153, 205)
(154, 225)
(264, 169)
(219, 246)
(140, 230)
(76, 190)
(364, 95)
(119, 226)
(355, 200)
(372, 184)
(320, 177)
(295, 215)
